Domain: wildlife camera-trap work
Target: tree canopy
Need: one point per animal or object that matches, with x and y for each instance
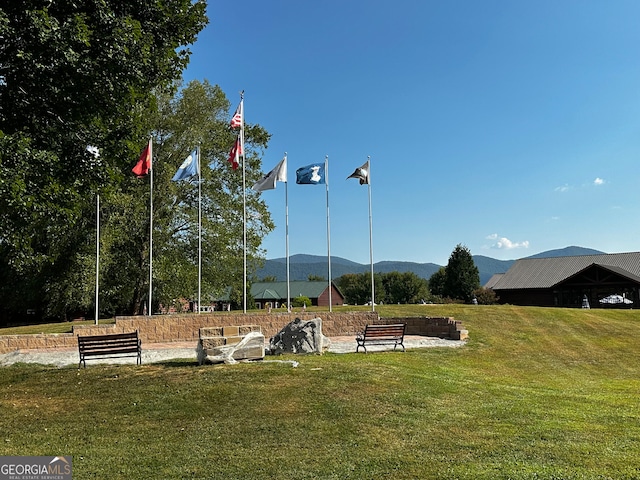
(392, 287)
(74, 75)
(196, 118)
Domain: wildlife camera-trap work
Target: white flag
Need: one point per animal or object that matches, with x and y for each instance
(278, 174)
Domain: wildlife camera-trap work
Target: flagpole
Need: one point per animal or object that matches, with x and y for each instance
(150, 227)
(244, 207)
(326, 183)
(373, 296)
(286, 222)
(199, 231)
(97, 254)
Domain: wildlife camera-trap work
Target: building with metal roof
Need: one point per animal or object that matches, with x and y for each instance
(274, 294)
(568, 281)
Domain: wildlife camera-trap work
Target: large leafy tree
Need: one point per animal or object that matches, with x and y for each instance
(356, 287)
(461, 275)
(74, 74)
(392, 287)
(406, 287)
(198, 116)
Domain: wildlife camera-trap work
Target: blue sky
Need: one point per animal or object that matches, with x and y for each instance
(509, 127)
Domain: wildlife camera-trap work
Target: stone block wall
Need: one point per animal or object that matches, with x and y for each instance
(442, 327)
(185, 327)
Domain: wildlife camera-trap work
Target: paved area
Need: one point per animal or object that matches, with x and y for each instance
(159, 352)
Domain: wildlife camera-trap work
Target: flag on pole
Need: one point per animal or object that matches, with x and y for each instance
(188, 169)
(143, 167)
(278, 174)
(236, 120)
(313, 174)
(362, 174)
(235, 153)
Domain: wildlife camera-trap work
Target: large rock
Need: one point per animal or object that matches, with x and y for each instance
(300, 337)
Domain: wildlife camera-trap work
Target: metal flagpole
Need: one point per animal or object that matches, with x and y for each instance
(244, 205)
(373, 295)
(97, 254)
(286, 216)
(150, 227)
(199, 231)
(326, 183)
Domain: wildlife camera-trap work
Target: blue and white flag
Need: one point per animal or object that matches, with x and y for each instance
(313, 174)
(188, 169)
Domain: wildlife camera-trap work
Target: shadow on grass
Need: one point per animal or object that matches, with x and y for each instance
(176, 362)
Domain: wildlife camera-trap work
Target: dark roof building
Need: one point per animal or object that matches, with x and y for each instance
(270, 293)
(566, 281)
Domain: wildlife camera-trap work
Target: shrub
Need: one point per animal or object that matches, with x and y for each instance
(300, 301)
(486, 296)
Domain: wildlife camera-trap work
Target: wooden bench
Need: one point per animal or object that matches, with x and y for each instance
(116, 345)
(381, 335)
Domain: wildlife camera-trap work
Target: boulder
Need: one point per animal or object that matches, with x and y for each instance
(300, 336)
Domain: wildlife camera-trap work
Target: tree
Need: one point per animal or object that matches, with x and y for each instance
(404, 287)
(437, 281)
(356, 287)
(72, 75)
(197, 115)
(316, 278)
(353, 287)
(461, 275)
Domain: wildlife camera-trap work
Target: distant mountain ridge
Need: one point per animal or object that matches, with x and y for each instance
(301, 266)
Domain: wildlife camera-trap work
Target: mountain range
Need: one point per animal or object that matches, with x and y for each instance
(301, 266)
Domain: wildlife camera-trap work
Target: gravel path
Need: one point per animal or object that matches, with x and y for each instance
(160, 352)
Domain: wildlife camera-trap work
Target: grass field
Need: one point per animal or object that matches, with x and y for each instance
(537, 393)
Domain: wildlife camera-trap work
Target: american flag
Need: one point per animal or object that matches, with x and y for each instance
(236, 121)
(234, 154)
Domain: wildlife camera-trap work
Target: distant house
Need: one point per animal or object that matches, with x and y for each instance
(274, 294)
(565, 281)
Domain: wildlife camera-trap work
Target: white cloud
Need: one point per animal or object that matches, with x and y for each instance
(562, 188)
(503, 243)
(598, 181)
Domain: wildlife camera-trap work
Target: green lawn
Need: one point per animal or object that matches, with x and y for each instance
(537, 393)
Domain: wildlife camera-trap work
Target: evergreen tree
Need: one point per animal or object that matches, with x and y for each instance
(461, 275)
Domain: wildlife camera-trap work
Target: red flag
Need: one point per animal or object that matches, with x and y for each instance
(143, 167)
(234, 154)
(236, 121)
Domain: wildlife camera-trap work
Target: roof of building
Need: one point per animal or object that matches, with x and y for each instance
(278, 290)
(548, 272)
(495, 278)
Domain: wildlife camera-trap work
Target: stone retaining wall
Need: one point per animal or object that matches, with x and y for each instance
(185, 327)
(443, 327)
